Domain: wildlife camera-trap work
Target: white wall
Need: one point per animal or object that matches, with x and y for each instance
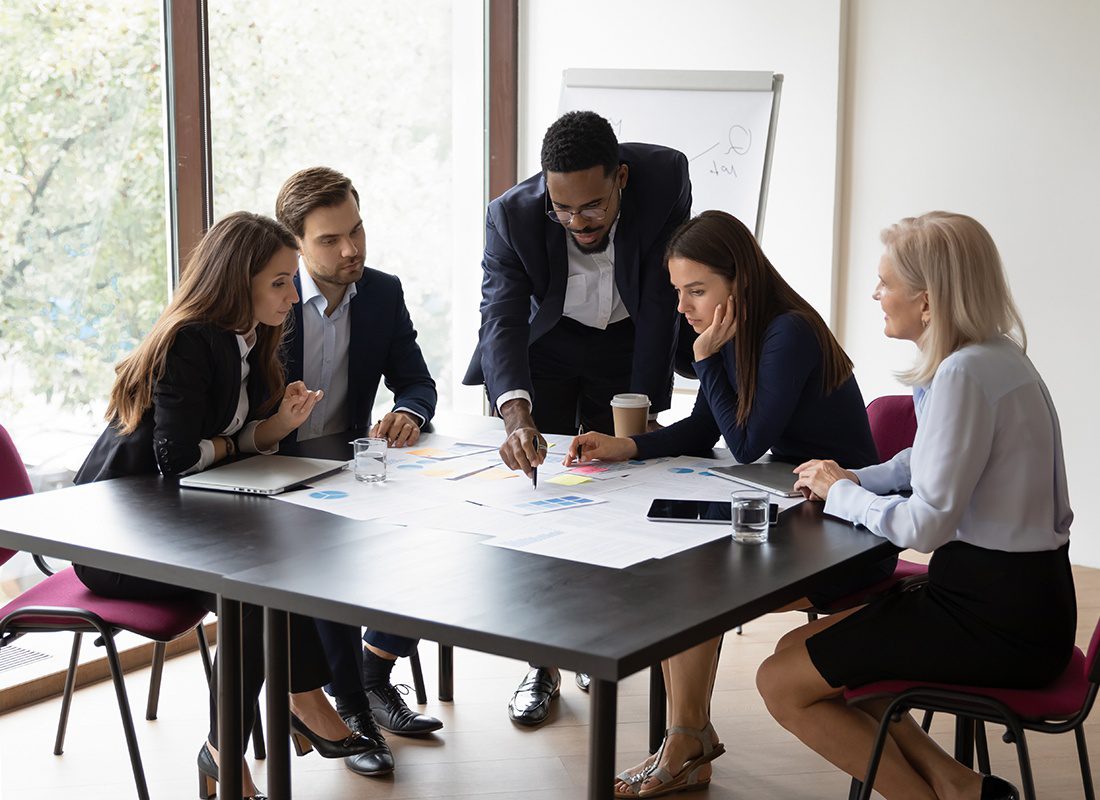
(991, 109)
(799, 38)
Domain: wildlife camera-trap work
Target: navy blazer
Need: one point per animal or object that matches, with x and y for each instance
(382, 345)
(194, 399)
(525, 268)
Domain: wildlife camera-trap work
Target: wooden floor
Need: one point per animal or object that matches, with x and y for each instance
(479, 753)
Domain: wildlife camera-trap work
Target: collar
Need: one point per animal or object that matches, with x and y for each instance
(310, 293)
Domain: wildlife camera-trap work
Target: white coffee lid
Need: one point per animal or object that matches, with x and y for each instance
(630, 401)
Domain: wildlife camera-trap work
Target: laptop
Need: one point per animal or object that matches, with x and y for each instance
(774, 477)
(263, 474)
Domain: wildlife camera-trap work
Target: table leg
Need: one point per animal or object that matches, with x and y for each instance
(601, 740)
(657, 707)
(230, 736)
(446, 672)
(277, 675)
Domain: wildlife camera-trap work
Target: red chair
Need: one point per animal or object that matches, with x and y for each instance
(893, 427)
(1062, 706)
(62, 603)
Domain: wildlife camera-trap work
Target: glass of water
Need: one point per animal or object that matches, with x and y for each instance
(370, 460)
(749, 514)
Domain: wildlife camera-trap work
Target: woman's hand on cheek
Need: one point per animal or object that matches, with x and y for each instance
(722, 329)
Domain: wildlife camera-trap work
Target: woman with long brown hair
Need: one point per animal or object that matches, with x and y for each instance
(771, 377)
(206, 383)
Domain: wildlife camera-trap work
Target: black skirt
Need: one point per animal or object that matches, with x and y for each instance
(985, 618)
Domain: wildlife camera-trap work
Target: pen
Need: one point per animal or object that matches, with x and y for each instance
(580, 447)
(535, 468)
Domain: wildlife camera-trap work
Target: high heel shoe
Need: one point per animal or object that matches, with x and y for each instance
(994, 788)
(208, 777)
(305, 740)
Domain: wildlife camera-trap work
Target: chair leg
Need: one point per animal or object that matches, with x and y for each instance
(204, 651)
(156, 672)
(868, 781)
(446, 673)
(1017, 734)
(981, 745)
(418, 677)
(1083, 755)
(259, 749)
(964, 740)
(926, 723)
(67, 696)
(811, 616)
(854, 789)
(127, 718)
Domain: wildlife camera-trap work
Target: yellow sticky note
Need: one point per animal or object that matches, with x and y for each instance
(565, 479)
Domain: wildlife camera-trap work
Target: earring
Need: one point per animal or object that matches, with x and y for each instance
(924, 321)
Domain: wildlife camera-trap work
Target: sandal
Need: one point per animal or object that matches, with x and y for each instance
(686, 780)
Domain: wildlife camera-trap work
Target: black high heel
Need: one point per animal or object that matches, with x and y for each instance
(994, 788)
(305, 740)
(208, 777)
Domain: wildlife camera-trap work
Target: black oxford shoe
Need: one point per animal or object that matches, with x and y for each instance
(530, 705)
(391, 713)
(583, 681)
(377, 759)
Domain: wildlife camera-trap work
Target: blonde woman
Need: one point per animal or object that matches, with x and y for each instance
(989, 500)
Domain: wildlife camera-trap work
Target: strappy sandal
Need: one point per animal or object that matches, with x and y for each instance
(687, 779)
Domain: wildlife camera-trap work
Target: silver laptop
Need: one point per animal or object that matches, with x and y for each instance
(774, 477)
(263, 474)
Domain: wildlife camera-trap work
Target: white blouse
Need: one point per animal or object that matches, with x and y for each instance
(986, 466)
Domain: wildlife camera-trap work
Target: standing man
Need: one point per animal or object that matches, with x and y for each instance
(576, 305)
(351, 328)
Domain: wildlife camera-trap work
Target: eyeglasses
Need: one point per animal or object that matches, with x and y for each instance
(587, 214)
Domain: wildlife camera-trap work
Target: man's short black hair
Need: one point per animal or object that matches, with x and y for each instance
(580, 140)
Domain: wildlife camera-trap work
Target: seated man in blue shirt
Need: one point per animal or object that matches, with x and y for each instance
(351, 329)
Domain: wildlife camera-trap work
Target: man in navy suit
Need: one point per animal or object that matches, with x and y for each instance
(576, 304)
(351, 329)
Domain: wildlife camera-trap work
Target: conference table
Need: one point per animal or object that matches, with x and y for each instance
(609, 623)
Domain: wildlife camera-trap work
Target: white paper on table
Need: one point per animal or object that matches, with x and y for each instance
(342, 494)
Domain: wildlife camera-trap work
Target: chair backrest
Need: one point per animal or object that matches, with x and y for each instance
(14, 480)
(893, 424)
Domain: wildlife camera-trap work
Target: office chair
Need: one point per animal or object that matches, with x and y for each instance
(62, 603)
(1059, 707)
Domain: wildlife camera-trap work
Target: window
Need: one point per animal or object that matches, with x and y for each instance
(83, 266)
(391, 95)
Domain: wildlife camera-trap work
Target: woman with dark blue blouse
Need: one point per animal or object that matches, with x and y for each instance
(772, 377)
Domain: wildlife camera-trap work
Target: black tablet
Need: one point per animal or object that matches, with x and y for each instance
(712, 511)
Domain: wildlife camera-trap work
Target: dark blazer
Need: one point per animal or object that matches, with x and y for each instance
(382, 345)
(525, 268)
(194, 400)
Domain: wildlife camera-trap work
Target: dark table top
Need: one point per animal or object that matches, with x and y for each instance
(435, 584)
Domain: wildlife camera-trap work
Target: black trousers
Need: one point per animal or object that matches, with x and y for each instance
(308, 669)
(575, 371)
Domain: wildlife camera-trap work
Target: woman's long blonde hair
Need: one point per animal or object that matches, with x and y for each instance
(216, 289)
(953, 258)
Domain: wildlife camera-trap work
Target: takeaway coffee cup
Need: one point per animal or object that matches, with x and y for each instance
(631, 413)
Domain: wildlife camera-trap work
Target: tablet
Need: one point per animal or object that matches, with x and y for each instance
(710, 511)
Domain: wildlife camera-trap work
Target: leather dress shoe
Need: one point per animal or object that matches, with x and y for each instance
(391, 713)
(994, 788)
(208, 777)
(305, 740)
(376, 761)
(583, 681)
(530, 704)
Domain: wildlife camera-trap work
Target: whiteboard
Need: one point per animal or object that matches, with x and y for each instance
(724, 122)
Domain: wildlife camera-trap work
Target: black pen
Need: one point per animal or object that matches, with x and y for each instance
(579, 448)
(534, 467)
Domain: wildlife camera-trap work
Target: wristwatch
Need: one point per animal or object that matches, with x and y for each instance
(230, 446)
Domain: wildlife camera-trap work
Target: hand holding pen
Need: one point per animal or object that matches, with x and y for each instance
(524, 449)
